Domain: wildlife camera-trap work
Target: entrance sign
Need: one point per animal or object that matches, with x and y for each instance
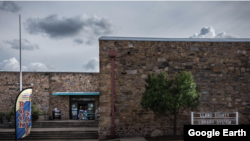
(214, 118)
(23, 113)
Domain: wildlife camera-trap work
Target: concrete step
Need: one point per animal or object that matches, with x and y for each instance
(51, 137)
(4, 123)
(53, 133)
(58, 124)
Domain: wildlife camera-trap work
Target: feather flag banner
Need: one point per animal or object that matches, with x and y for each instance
(23, 113)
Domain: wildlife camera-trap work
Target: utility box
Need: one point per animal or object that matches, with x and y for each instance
(56, 114)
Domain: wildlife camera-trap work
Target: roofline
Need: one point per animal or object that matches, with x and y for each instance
(76, 93)
(175, 39)
(46, 72)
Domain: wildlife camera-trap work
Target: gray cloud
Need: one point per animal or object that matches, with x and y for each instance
(78, 41)
(91, 40)
(100, 26)
(225, 35)
(40, 67)
(10, 6)
(55, 27)
(209, 32)
(26, 45)
(13, 65)
(92, 65)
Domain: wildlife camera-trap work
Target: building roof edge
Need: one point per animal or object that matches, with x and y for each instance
(175, 39)
(45, 72)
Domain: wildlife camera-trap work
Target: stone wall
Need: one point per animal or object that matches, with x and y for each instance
(105, 93)
(44, 84)
(10, 88)
(70, 82)
(220, 68)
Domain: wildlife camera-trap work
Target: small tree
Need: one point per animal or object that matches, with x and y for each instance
(164, 94)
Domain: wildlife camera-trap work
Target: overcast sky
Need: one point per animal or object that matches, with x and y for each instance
(63, 36)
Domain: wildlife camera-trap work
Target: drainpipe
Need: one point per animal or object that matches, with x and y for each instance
(112, 56)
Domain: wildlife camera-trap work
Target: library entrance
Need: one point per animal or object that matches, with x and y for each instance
(87, 102)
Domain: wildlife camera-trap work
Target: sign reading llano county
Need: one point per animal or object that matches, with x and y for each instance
(214, 118)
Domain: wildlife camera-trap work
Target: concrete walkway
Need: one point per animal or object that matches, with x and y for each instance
(59, 140)
(53, 129)
(66, 121)
(121, 139)
(133, 139)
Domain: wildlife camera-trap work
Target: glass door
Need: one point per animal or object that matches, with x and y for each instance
(91, 111)
(86, 102)
(74, 110)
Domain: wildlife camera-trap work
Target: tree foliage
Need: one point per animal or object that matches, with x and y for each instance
(165, 94)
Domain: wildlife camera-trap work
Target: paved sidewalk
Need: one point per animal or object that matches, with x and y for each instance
(121, 139)
(65, 121)
(133, 139)
(53, 129)
(58, 140)
(143, 139)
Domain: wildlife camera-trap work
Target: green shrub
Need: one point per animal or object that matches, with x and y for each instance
(34, 112)
(41, 113)
(8, 116)
(11, 112)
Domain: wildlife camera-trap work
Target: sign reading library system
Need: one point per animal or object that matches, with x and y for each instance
(214, 118)
(205, 127)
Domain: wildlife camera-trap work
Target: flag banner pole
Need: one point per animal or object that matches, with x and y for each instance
(20, 53)
(23, 117)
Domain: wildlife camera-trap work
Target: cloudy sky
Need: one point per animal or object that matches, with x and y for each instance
(63, 36)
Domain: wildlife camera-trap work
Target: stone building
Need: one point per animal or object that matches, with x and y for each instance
(64, 91)
(220, 66)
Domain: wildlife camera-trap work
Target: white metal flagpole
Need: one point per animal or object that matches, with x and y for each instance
(20, 53)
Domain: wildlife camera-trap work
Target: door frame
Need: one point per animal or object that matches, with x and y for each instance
(79, 102)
